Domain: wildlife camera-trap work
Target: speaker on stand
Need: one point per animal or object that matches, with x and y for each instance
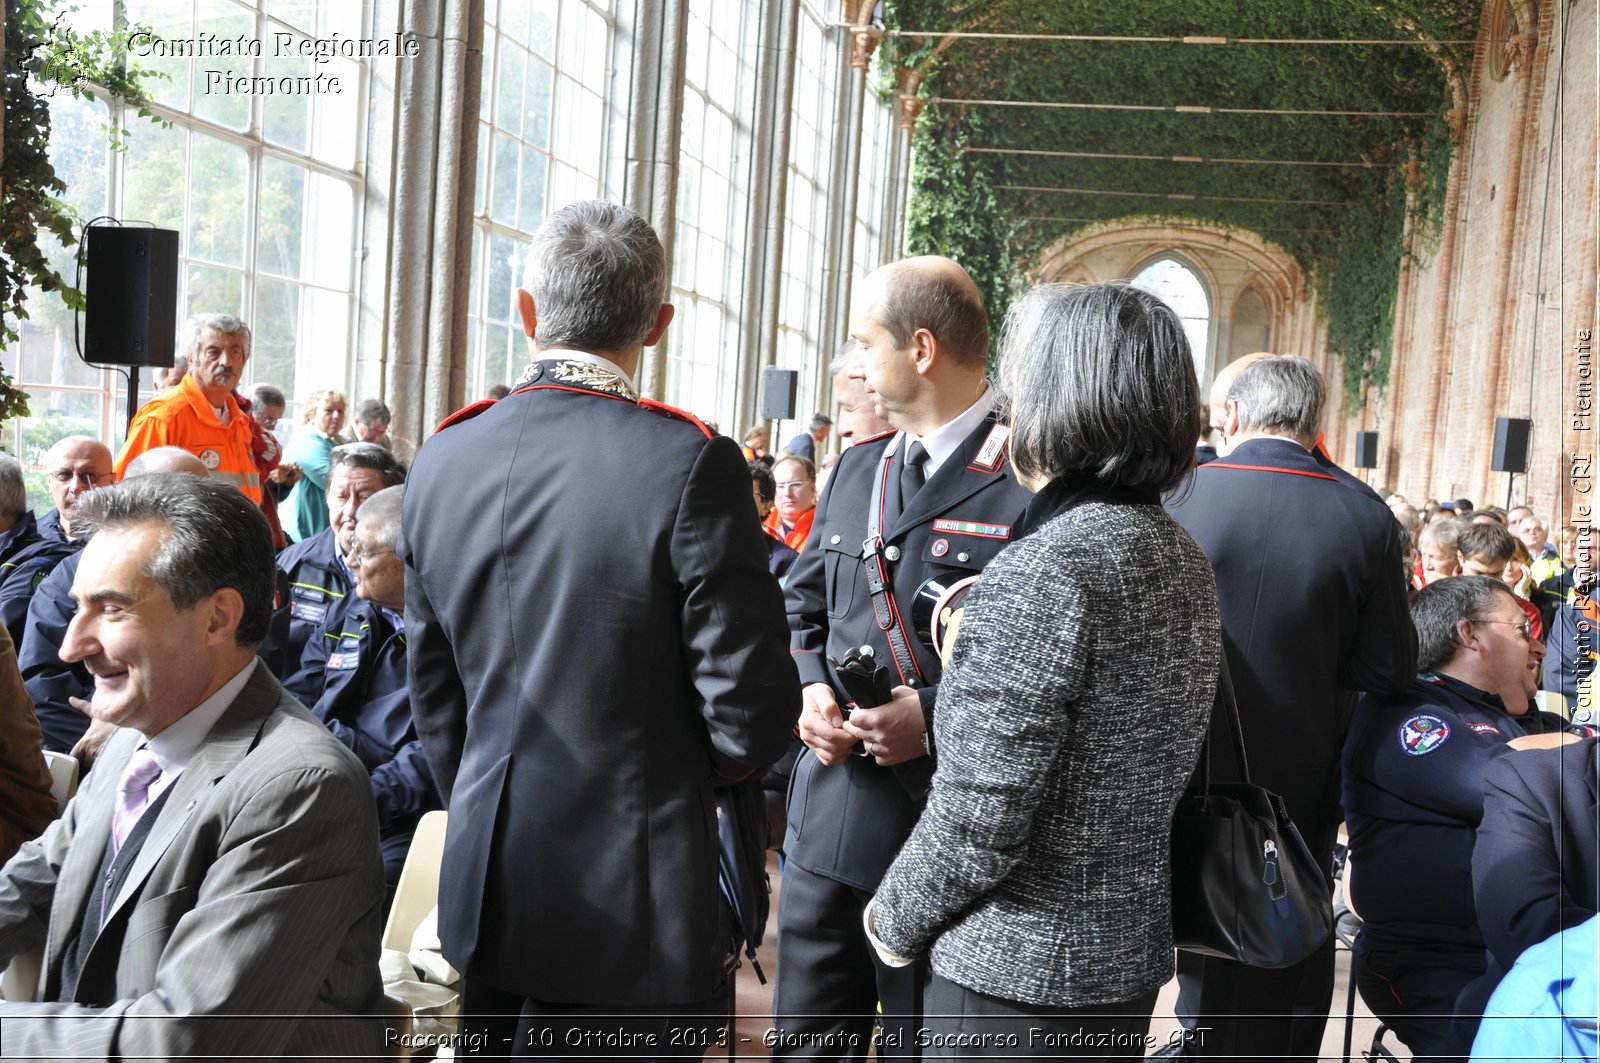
(778, 389)
(1510, 448)
(131, 299)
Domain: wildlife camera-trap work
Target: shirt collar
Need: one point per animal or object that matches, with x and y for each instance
(566, 354)
(177, 744)
(395, 619)
(948, 437)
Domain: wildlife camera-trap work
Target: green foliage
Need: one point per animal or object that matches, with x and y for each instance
(43, 57)
(1343, 223)
(954, 212)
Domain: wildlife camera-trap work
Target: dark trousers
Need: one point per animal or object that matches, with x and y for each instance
(1239, 1012)
(964, 1023)
(830, 981)
(497, 1024)
(1415, 999)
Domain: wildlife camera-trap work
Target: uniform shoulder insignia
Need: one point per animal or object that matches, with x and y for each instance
(681, 415)
(466, 413)
(874, 439)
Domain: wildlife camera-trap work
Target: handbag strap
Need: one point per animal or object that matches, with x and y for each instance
(1227, 707)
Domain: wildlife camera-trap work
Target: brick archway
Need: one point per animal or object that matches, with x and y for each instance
(1228, 263)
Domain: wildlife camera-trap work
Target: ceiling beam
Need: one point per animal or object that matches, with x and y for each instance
(1193, 159)
(1186, 197)
(1179, 108)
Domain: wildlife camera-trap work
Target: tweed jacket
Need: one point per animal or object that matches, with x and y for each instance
(248, 924)
(1072, 714)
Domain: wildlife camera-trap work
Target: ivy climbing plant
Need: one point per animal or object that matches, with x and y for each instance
(43, 56)
(993, 186)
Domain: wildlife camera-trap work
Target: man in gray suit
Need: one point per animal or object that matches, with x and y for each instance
(215, 889)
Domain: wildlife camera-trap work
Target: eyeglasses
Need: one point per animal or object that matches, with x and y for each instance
(1522, 627)
(67, 476)
(358, 555)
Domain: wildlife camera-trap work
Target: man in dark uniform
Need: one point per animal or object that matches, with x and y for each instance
(1413, 795)
(353, 677)
(1314, 609)
(316, 569)
(595, 642)
(73, 465)
(922, 338)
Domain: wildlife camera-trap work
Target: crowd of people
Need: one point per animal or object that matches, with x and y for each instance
(972, 654)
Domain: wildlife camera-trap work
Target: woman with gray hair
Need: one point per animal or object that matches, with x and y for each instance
(1074, 704)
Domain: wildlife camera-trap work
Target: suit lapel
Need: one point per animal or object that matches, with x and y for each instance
(230, 739)
(958, 478)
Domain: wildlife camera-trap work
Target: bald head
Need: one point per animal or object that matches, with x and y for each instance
(932, 293)
(1219, 395)
(165, 459)
(1225, 378)
(73, 466)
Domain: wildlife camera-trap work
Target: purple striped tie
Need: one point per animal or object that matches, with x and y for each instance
(133, 795)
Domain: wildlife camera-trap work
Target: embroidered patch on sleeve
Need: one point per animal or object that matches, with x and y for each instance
(1422, 734)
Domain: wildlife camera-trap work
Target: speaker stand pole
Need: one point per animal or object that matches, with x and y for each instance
(133, 396)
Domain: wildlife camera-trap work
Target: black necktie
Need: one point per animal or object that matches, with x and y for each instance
(911, 475)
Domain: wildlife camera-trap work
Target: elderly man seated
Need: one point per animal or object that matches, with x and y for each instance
(317, 569)
(1413, 797)
(353, 675)
(215, 888)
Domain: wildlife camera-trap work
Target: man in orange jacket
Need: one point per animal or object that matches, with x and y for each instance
(796, 483)
(201, 414)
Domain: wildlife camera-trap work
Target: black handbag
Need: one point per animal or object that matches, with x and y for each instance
(1244, 885)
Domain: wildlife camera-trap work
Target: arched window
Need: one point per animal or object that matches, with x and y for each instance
(1176, 285)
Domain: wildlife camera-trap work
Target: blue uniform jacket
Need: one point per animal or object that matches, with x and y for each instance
(21, 576)
(49, 679)
(353, 675)
(319, 596)
(1413, 796)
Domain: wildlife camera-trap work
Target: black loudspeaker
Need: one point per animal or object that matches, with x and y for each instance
(1366, 450)
(1511, 444)
(778, 387)
(132, 295)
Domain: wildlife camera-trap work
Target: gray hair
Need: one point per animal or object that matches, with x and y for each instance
(371, 411)
(820, 420)
(598, 277)
(1441, 531)
(381, 513)
(1282, 394)
(368, 456)
(264, 395)
(841, 360)
(1100, 382)
(13, 489)
(226, 324)
(216, 538)
(1441, 605)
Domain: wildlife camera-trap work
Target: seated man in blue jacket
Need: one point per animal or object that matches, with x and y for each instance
(317, 569)
(353, 675)
(1413, 797)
